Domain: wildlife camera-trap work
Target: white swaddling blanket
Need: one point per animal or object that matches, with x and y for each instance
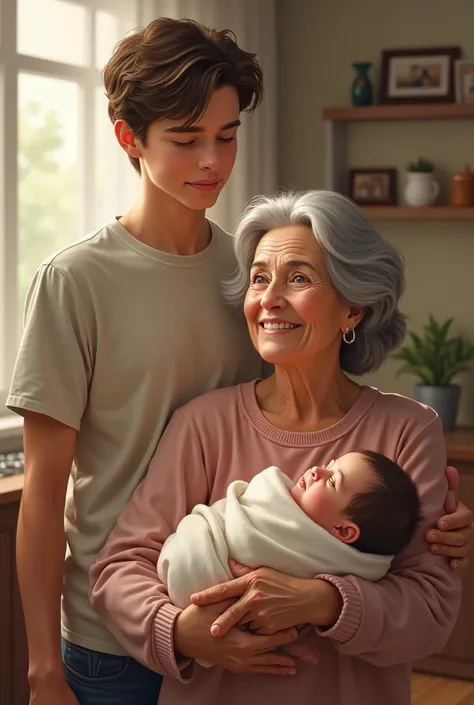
(257, 524)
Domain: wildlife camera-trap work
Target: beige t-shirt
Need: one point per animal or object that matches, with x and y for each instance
(117, 336)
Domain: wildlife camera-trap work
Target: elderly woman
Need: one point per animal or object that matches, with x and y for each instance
(321, 292)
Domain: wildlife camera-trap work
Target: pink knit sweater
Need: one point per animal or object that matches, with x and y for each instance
(222, 436)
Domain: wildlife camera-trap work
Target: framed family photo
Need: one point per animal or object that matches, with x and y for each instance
(373, 187)
(464, 81)
(419, 75)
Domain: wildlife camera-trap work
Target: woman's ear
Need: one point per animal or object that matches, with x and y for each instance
(347, 532)
(127, 139)
(354, 316)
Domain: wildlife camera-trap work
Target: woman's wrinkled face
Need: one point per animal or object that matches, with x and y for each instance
(292, 309)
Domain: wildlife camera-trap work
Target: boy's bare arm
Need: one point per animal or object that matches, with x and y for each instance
(49, 452)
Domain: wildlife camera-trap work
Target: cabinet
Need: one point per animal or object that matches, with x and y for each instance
(13, 649)
(457, 658)
(337, 121)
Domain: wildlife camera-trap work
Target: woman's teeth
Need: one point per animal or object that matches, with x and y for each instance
(279, 326)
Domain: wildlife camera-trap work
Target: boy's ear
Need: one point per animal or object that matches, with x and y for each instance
(347, 532)
(126, 138)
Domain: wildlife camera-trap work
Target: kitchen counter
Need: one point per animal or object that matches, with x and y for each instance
(460, 444)
(11, 489)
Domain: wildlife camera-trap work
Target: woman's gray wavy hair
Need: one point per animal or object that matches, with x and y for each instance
(364, 269)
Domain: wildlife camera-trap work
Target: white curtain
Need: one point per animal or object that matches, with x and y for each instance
(253, 22)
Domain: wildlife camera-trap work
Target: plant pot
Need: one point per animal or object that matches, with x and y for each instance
(421, 189)
(444, 400)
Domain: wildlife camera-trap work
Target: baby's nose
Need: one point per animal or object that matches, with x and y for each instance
(315, 474)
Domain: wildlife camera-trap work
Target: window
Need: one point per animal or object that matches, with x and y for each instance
(61, 172)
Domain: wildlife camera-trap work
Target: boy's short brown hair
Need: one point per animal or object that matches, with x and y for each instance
(170, 68)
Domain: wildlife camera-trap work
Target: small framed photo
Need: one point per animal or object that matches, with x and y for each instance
(373, 187)
(464, 81)
(418, 75)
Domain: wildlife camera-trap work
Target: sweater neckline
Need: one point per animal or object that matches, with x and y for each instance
(308, 438)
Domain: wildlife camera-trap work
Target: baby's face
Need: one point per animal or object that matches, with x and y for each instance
(324, 492)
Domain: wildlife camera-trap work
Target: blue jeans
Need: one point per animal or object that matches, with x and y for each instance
(104, 679)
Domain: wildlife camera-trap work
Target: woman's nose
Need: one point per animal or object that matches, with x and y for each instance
(272, 298)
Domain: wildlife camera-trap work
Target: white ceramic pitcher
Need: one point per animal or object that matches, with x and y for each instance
(421, 189)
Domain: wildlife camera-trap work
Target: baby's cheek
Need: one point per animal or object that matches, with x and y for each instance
(315, 506)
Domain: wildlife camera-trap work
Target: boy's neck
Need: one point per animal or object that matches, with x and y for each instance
(162, 222)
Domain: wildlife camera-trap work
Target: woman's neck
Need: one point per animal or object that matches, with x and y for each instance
(162, 222)
(307, 397)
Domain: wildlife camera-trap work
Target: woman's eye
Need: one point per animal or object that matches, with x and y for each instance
(332, 482)
(184, 144)
(300, 279)
(258, 279)
(226, 139)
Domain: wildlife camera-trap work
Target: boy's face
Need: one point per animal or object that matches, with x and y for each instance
(192, 164)
(323, 493)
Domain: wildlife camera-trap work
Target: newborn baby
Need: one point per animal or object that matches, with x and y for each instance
(349, 517)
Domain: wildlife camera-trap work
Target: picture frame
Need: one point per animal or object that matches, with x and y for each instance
(464, 79)
(423, 75)
(373, 187)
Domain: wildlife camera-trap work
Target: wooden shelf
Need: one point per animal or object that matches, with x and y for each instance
(410, 213)
(424, 111)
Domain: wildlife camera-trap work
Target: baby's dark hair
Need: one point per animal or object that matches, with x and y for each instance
(388, 513)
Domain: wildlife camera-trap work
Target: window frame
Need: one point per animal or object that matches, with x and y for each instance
(88, 78)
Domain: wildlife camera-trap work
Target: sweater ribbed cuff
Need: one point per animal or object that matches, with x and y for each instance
(351, 614)
(164, 645)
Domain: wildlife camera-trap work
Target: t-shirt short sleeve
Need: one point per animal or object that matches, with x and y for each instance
(54, 363)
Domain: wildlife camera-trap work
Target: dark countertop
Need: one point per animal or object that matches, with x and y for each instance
(460, 444)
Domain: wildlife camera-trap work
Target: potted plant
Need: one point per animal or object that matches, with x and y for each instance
(421, 188)
(435, 358)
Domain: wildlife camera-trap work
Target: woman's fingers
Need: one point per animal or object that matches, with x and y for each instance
(452, 476)
(272, 663)
(453, 552)
(273, 641)
(455, 538)
(459, 565)
(273, 670)
(461, 518)
(232, 616)
(223, 591)
(238, 570)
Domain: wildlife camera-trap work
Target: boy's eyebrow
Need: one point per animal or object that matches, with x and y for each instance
(194, 128)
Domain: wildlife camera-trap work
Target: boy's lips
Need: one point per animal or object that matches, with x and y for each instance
(205, 185)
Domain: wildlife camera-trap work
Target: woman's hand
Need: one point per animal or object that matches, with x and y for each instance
(454, 535)
(271, 601)
(237, 651)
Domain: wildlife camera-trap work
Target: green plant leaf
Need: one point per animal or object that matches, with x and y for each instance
(433, 356)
